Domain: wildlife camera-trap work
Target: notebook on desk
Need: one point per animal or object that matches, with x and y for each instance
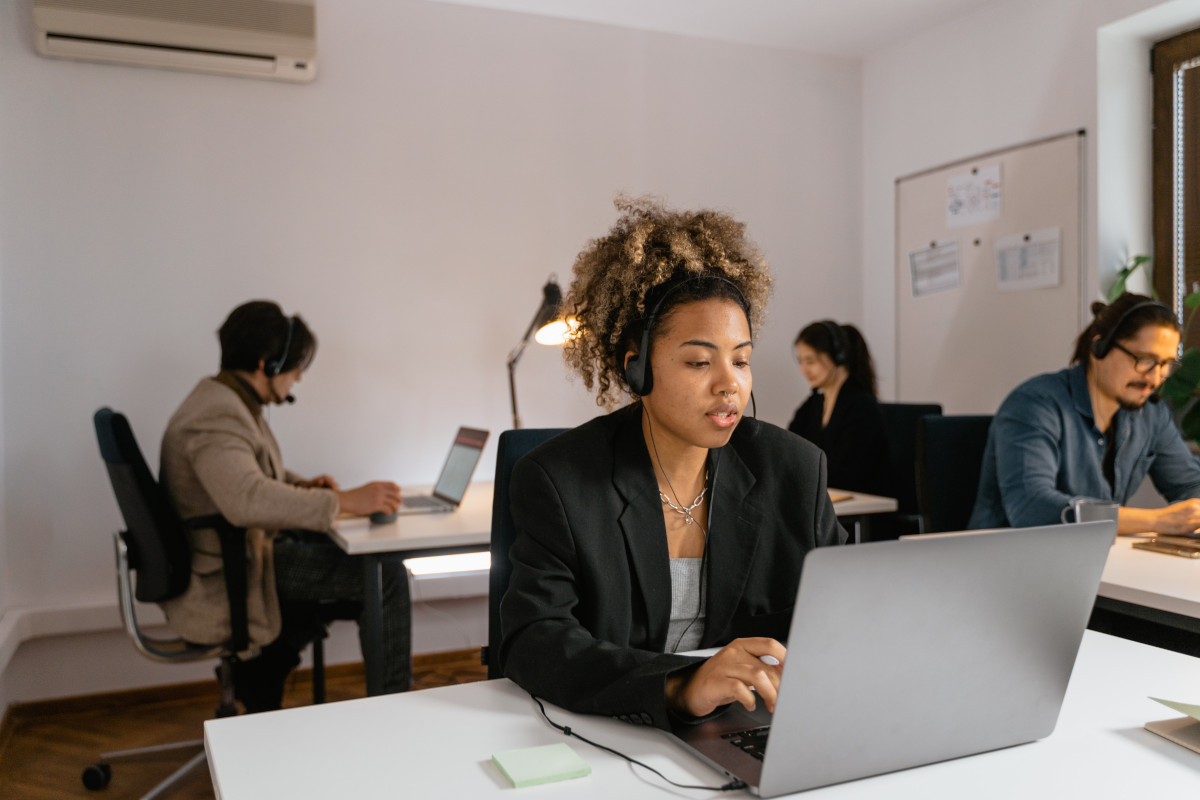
(456, 475)
(908, 652)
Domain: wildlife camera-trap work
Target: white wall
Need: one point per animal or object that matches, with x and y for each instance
(1009, 73)
(410, 203)
(445, 161)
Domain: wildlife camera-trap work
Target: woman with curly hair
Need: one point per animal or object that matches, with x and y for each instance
(673, 523)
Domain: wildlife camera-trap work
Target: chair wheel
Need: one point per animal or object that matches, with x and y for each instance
(97, 776)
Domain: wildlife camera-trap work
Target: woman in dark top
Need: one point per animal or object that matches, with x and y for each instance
(674, 523)
(842, 416)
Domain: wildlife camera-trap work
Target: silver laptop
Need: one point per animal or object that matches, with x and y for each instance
(456, 475)
(909, 652)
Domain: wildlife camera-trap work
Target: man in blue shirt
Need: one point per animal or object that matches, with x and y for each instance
(1094, 430)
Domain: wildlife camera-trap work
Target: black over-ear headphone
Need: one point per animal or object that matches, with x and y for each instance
(273, 368)
(638, 376)
(838, 337)
(1103, 346)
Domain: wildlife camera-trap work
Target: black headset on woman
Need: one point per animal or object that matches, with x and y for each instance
(837, 336)
(638, 376)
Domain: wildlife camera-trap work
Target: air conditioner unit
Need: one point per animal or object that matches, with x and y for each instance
(273, 39)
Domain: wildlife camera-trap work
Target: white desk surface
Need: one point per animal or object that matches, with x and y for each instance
(1154, 580)
(471, 524)
(439, 742)
(861, 503)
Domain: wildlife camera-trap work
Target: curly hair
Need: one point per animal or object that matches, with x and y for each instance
(648, 254)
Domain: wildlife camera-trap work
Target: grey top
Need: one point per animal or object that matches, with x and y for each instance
(687, 605)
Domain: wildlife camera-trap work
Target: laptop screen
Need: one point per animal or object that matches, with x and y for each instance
(460, 464)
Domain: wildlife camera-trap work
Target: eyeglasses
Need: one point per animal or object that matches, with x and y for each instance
(1145, 364)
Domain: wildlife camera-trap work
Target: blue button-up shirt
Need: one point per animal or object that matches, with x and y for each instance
(1044, 449)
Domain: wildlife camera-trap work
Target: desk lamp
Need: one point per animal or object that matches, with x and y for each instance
(551, 329)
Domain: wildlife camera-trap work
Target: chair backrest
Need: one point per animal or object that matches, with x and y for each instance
(900, 425)
(949, 457)
(512, 446)
(154, 535)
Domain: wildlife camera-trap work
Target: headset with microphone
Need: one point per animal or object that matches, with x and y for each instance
(274, 367)
(837, 339)
(1104, 345)
(638, 376)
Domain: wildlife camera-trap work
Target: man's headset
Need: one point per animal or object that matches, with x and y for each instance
(838, 341)
(275, 366)
(638, 376)
(1103, 346)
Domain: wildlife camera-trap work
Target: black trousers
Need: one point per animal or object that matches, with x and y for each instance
(312, 572)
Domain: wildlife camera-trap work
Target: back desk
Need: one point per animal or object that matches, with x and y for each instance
(1153, 586)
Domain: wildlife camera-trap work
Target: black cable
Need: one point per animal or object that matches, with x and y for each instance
(732, 786)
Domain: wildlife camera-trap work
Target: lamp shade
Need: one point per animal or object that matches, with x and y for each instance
(551, 302)
(551, 329)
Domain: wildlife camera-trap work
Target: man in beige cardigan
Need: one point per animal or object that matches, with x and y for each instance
(219, 457)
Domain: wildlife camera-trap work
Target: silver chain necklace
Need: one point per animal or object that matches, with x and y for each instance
(687, 512)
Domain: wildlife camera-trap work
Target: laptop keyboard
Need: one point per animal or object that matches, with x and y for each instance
(421, 501)
(752, 741)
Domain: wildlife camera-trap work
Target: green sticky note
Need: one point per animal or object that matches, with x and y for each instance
(533, 765)
(1192, 711)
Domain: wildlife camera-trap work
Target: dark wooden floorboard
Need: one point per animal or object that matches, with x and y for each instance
(44, 747)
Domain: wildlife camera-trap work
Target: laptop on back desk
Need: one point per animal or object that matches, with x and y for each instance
(455, 477)
(909, 652)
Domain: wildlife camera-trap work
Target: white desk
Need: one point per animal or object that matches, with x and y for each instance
(469, 527)
(1155, 586)
(861, 504)
(857, 509)
(409, 536)
(439, 742)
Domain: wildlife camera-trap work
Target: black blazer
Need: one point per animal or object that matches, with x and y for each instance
(854, 441)
(586, 612)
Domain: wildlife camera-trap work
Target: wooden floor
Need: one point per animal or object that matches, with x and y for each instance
(44, 747)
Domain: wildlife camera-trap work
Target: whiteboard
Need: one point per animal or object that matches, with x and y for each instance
(990, 285)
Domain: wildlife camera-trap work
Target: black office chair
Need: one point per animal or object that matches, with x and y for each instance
(949, 457)
(900, 424)
(155, 547)
(511, 447)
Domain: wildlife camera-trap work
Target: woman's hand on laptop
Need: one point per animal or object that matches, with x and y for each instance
(370, 497)
(735, 674)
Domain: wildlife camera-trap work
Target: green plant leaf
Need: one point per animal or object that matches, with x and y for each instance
(1182, 384)
(1118, 287)
(1189, 426)
(1120, 283)
(1192, 300)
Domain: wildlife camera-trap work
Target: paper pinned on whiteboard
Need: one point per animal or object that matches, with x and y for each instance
(1028, 261)
(935, 268)
(974, 197)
